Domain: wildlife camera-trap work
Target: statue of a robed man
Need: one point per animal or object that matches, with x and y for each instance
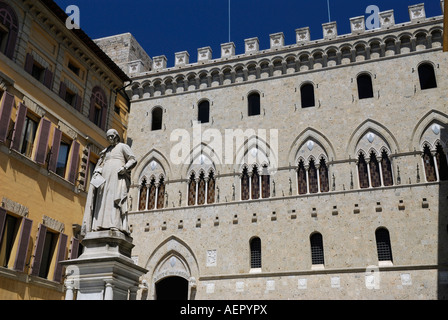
(107, 199)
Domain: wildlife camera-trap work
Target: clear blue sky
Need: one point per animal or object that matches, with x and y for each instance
(169, 26)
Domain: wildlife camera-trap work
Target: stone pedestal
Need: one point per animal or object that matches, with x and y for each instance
(105, 270)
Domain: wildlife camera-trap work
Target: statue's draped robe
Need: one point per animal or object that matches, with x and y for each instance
(107, 205)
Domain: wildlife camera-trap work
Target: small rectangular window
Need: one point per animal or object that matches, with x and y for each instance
(76, 70)
(70, 97)
(38, 72)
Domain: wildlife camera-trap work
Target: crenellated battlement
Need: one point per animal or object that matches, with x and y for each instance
(306, 55)
(303, 38)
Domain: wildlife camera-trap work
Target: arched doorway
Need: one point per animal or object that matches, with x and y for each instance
(172, 288)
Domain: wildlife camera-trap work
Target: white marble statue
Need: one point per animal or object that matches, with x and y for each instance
(107, 200)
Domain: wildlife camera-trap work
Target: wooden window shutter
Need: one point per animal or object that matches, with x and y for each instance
(38, 250)
(42, 141)
(92, 109)
(18, 127)
(78, 102)
(2, 221)
(74, 162)
(29, 62)
(55, 150)
(11, 46)
(62, 90)
(60, 257)
(5, 114)
(103, 118)
(24, 241)
(48, 78)
(74, 249)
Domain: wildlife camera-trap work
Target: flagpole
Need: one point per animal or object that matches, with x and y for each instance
(328, 5)
(229, 20)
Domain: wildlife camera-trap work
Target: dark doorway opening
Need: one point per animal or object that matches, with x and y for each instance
(172, 288)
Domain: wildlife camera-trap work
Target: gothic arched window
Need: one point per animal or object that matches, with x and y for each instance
(362, 172)
(143, 196)
(323, 176)
(265, 183)
(386, 168)
(312, 177)
(255, 183)
(211, 188)
(301, 177)
(9, 30)
(192, 190)
(429, 165)
(245, 185)
(374, 167)
(201, 189)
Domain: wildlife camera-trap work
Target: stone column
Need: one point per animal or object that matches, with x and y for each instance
(109, 290)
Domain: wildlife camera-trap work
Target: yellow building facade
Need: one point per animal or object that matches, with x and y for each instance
(59, 94)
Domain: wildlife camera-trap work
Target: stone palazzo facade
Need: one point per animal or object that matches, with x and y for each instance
(337, 186)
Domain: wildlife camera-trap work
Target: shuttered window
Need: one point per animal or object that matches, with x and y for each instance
(74, 162)
(50, 246)
(24, 241)
(8, 231)
(14, 230)
(55, 148)
(60, 256)
(6, 106)
(19, 126)
(28, 137)
(42, 141)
